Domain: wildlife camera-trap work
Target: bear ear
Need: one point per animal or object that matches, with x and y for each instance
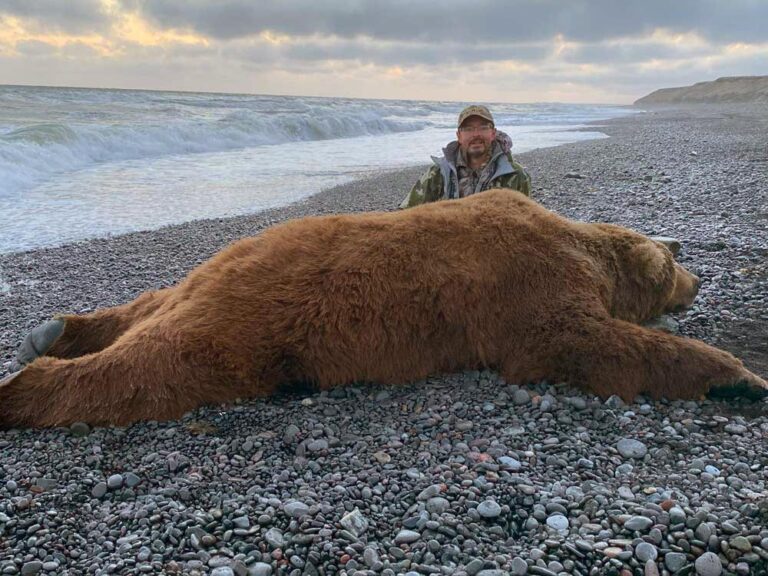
(651, 260)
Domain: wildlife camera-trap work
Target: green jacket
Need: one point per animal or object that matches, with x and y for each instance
(441, 182)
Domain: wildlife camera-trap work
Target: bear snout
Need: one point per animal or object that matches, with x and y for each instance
(685, 290)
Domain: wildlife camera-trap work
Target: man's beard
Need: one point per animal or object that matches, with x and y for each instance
(477, 152)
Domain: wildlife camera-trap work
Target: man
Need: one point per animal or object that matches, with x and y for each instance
(479, 159)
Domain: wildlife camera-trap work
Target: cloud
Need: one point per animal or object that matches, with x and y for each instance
(506, 21)
(364, 50)
(35, 48)
(70, 16)
(514, 50)
(638, 50)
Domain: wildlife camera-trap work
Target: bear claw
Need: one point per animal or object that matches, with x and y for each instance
(37, 343)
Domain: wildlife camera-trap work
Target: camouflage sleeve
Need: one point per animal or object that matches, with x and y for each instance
(525, 180)
(519, 180)
(428, 188)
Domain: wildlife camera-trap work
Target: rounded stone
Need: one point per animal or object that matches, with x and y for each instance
(742, 569)
(703, 531)
(521, 397)
(132, 480)
(519, 567)
(640, 523)
(99, 490)
(651, 568)
(555, 567)
(630, 448)
(489, 509)
(437, 505)
(708, 564)
(577, 402)
(674, 561)
(274, 538)
(676, 515)
(509, 463)
(406, 537)
(737, 429)
(260, 569)
(645, 552)
(115, 481)
(31, 568)
(531, 523)
(370, 557)
(474, 566)
(741, 544)
(296, 509)
(318, 445)
(429, 492)
(558, 522)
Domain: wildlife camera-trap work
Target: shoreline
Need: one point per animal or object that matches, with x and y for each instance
(223, 220)
(371, 174)
(461, 474)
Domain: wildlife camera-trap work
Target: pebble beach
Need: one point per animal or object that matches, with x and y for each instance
(463, 474)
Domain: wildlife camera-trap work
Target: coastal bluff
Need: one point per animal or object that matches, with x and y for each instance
(723, 90)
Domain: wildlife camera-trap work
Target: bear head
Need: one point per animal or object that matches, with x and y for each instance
(648, 281)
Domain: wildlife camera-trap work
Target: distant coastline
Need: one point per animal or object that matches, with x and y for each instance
(731, 89)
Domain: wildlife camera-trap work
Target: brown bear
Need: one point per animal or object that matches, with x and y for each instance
(493, 280)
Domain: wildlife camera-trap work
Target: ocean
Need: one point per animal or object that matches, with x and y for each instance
(81, 163)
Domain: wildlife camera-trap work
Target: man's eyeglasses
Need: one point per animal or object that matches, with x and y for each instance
(484, 129)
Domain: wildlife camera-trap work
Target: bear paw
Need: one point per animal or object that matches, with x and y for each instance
(749, 385)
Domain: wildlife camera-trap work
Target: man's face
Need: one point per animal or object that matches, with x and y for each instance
(476, 136)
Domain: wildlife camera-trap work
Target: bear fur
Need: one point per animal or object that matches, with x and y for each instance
(493, 280)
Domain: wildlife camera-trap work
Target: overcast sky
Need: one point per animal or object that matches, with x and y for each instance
(493, 50)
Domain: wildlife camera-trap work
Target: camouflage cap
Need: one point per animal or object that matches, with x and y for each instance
(475, 110)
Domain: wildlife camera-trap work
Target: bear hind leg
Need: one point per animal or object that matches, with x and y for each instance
(72, 336)
(148, 374)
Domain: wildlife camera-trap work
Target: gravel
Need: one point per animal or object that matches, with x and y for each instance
(461, 474)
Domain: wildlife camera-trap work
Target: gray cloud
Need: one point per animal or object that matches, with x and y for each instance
(35, 48)
(444, 46)
(411, 54)
(425, 32)
(73, 16)
(450, 20)
(631, 53)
